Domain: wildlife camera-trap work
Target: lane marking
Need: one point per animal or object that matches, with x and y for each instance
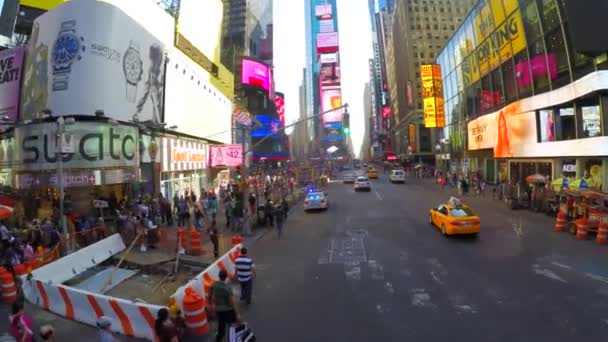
(596, 277)
(555, 263)
(547, 273)
(378, 195)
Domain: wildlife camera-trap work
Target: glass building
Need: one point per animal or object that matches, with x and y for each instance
(519, 99)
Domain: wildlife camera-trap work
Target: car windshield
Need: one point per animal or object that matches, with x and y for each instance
(362, 179)
(398, 173)
(461, 212)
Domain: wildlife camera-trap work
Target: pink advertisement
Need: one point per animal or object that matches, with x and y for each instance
(255, 74)
(538, 66)
(11, 63)
(331, 98)
(226, 155)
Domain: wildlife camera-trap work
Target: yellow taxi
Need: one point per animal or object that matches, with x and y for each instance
(372, 173)
(454, 218)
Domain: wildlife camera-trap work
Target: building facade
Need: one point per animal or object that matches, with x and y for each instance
(419, 29)
(519, 98)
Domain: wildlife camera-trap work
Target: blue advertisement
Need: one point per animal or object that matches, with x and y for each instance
(333, 138)
(333, 125)
(270, 126)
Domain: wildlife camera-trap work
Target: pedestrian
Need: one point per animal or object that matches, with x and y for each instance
(268, 212)
(212, 206)
(164, 327)
(252, 201)
(279, 217)
(182, 208)
(228, 206)
(285, 206)
(222, 299)
(198, 218)
(104, 333)
(245, 271)
(47, 333)
(20, 324)
(213, 236)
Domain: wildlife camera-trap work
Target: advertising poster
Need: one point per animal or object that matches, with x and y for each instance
(11, 63)
(255, 74)
(323, 11)
(226, 155)
(331, 98)
(329, 74)
(279, 101)
(325, 58)
(270, 126)
(76, 65)
(432, 95)
(326, 26)
(327, 42)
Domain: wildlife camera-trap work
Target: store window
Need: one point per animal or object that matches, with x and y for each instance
(531, 21)
(538, 67)
(593, 173)
(566, 122)
(485, 94)
(591, 121)
(549, 14)
(508, 77)
(557, 59)
(546, 125)
(472, 94)
(522, 74)
(498, 93)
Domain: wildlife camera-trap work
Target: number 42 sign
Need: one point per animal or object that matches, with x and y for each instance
(226, 155)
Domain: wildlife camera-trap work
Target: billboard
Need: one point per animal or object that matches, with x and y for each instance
(11, 63)
(331, 98)
(538, 66)
(42, 4)
(76, 65)
(270, 126)
(432, 95)
(327, 42)
(256, 74)
(226, 155)
(329, 74)
(333, 134)
(323, 11)
(326, 26)
(325, 58)
(200, 23)
(279, 101)
(270, 149)
(193, 103)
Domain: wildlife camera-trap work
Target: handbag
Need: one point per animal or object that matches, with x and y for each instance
(241, 333)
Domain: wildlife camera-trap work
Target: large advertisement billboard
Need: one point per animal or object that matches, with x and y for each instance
(331, 98)
(327, 42)
(279, 101)
(432, 95)
(76, 65)
(328, 58)
(256, 74)
(269, 126)
(11, 63)
(329, 74)
(193, 104)
(323, 12)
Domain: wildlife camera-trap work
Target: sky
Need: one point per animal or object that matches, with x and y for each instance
(355, 51)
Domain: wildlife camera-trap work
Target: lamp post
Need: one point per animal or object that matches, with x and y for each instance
(61, 148)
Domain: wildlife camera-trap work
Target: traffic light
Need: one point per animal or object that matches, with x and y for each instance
(239, 173)
(346, 123)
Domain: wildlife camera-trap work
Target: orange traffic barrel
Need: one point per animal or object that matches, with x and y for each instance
(9, 290)
(560, 222)
(196, 246)
(602, 233)
(236, 239)
(20, 270)
(582, 227)
(195, 313)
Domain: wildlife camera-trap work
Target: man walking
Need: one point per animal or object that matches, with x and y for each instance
(220, 297)
(245, 271)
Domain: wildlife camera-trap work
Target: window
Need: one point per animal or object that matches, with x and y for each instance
(591, 121)
(522, 74)
(531, 22)
(538, 66)
(549, 14)
(485, 94)
(546, 125)
(581, 64)
(557, 59)
(498, 94)
(566, 124)
(508, 78)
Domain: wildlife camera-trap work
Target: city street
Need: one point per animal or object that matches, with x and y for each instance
(371, 268)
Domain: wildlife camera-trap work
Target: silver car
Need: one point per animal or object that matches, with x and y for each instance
(362, 183)
(349, 178)
(315, 200)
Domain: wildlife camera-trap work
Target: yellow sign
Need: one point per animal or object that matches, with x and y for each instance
(484, 24)
(42, 4)
(509, 38)
(510, 6)
(498, 12)
(432, 95)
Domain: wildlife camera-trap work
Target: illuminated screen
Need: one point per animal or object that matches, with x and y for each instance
(279, 101)
(200, 22)
(270, 126)
(255, 74)
(331, 98)
(270, 149)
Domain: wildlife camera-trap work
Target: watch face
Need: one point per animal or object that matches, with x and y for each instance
(66, 49)
(132, 66)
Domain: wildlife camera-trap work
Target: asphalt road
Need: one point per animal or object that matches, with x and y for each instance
(371, 268)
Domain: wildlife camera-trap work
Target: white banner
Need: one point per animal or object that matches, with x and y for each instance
(326, 26)
(328, 58)
(327, 40)
(79, 63)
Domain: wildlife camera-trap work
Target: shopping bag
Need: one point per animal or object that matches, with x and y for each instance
(241, 333)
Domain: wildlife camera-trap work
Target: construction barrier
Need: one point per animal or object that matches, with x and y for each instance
(195, 246)
(236, 239)
(560, 222)
(45, 289)
(195, 313)
(602, 233)
(582, 228)
(203, 281)
(7, 284)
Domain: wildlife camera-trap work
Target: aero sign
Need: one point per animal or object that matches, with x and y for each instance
(432, 95)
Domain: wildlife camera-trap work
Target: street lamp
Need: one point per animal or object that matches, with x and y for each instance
(61, 148)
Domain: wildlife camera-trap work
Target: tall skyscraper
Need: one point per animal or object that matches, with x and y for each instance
(323, 74)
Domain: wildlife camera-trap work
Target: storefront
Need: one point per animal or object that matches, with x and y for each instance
(101, 162)
(184, 166)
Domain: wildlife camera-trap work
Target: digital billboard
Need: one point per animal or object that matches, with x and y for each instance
(432, 95)
(256, 74)
(327, 42)
(11, 64)
(323, 11)
(325, 58)
(333, 134)
(329, 74)
(270, 126)
(121, 74)
(326, 26)
(279, 101)
(270, 149)
(331, 98)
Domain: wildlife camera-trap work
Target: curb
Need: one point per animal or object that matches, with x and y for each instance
(257, 237)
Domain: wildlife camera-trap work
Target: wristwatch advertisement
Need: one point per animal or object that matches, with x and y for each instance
(68, 47)
(132, 67)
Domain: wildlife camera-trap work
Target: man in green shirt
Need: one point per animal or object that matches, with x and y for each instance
(222, 299)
